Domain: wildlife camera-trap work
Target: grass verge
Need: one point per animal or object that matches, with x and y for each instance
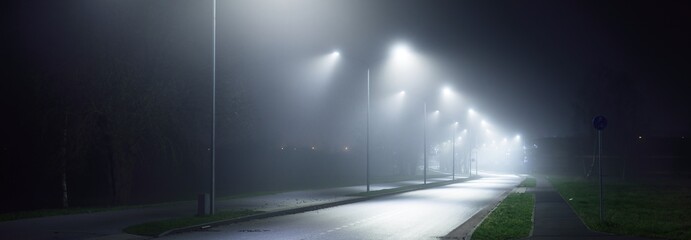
(56, 212)
(248, 195)
(512, 219)
(79, 210)
(157, 227)
(648, 210)
(528, 182)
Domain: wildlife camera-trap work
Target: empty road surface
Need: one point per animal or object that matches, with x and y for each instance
(423, 214)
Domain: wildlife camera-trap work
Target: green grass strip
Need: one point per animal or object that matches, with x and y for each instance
(648, 210)
(157, 227)
(528, 182)
(512, 219)
(60, 211)
(11, 216)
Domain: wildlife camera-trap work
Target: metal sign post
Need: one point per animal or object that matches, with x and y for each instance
(600, 122)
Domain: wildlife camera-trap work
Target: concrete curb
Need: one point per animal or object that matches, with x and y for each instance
(312, 207)
(465, 230)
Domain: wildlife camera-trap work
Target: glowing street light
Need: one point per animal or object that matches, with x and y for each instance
(401, 52)
(402, 56)
(473, 145)
(436, 112)
(334, 55)
(446, 91)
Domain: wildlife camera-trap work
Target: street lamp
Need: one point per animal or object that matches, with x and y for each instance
(213, 119)
(472, 114)
(402, 56)
(453, 151)
(336, 54)
(424, 146)
(446, 91)
(368, 120)
(401, 53)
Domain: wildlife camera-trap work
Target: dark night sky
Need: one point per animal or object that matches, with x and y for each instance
(519, 62)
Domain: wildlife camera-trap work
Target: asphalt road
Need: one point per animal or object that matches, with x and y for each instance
(108, 223)
(423, 214)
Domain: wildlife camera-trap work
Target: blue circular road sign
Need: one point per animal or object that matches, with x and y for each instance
(599, 122)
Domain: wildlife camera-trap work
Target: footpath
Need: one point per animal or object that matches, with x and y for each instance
(108, 225)
(555, 219)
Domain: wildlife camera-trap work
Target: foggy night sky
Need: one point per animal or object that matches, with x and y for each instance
(520, 63)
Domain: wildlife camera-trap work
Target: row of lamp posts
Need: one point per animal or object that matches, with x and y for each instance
(213, 129)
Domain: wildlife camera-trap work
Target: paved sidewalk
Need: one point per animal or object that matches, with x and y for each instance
(108, 224)
(554, 218)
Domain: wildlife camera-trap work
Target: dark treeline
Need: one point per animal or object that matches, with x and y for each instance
(96, 129)
(632, 144)
(115, 132)
(122, 130)
(642, 158)
(100, 109)
(95, 114)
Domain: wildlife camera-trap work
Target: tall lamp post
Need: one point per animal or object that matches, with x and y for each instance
(453, 151)
(472, 139)
(213, 118)
(397, 51)
(367, 170)
(368, 117)
(424, 146)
